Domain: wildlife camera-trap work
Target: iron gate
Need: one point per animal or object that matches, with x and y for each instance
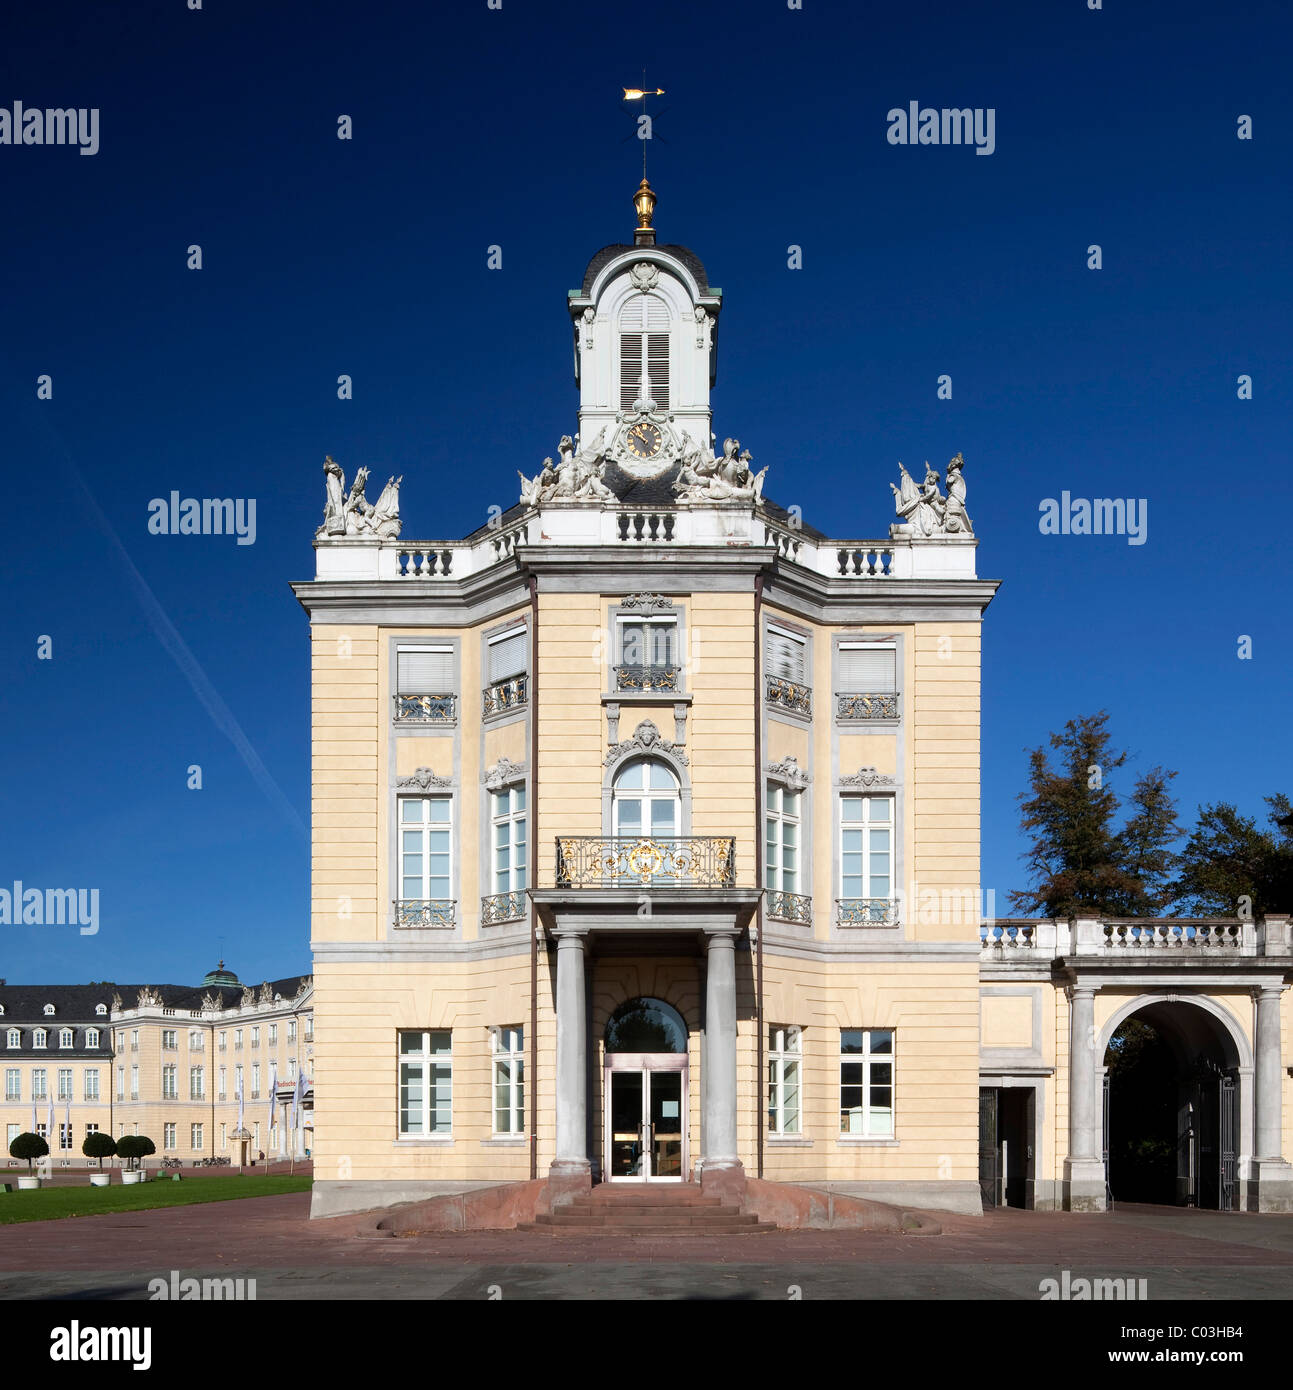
(989, 1154)
(1104, 1142)
(1228, 1107)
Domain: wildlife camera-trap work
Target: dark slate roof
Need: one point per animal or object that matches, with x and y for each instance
(74, 1005)
(190, 996)
(680, 253)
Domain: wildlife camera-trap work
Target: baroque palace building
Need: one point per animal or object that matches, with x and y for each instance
(646, 841)
(165, 1061)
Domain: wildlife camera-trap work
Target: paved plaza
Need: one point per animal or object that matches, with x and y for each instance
(1004, 1255)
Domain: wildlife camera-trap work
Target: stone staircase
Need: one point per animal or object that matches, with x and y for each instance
(630, 1209)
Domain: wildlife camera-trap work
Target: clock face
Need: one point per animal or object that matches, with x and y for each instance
(644, 441)
(645, 450)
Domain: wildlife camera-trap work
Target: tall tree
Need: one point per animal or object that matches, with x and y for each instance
(1231, 865)
(1143, 847)
(1075, 861)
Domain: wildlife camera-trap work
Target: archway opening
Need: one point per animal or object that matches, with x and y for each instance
(1171, 1108)
(646, 1025)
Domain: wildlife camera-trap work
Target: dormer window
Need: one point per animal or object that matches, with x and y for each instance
(644, 351)
(101, 1010)
(38, 1038)
(66, 1037)
(15, 1037)
(49, 1011)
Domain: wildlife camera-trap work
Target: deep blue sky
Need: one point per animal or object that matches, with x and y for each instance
(475, 127)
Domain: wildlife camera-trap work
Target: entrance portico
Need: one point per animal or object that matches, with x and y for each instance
(679, 922)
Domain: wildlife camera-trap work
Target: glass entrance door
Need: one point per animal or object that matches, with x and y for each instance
(646, 1121)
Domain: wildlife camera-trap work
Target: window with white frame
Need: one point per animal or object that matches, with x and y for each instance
(11, 1133)
(197, 1083)
(646, 800)
(505, 671)
(134, 1040)
(291, 1068)
(64, 1136)
(134, 1081)
(197, 1040)
(866, 859)
(644, 351)
(255, 1081)
(255, 1037)
(39, 1084)
(65, 1083)
(170, 1039)
(221, 1083)
(868, 681)
(425, 1083)
(121, 1083)
(237, 1039)
(100, 1011)
(121, 1040)
(425, 683)
(508, 838)
(647, 656)
(224, 1135)
(170, 1082)
(509, 1080)
(38, 1037)
(92, 1083)
(168, 1136)
(785, 1060)
(12, 1083)
(291, 1031)
(15, 1037)
(91, 1128)
(867, 1082)
(425, 848)
(273, 1035)
(91, 1037)
(48, 1010)
(237, 1080)
(223, 1044)
(195, 1138)
(781, 841)
(66, 1037)
(785, 670)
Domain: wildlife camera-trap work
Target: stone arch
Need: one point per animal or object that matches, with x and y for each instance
(1229, 1028)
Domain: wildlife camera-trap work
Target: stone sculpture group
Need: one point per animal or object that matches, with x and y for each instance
(924, 509)
(351, 513)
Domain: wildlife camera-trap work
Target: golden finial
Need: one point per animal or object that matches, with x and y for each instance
(644, 202)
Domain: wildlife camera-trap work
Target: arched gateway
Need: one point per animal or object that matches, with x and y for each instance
(646, 1093)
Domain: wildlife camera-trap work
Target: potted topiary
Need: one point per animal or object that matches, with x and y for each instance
(100, 1146)
(133, 1148)
(28, 1146)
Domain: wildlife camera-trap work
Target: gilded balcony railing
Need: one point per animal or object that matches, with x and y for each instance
(862, 706)
(425, 912)
(502, 907)
(505, 695)
(789, 695)
(425, 709)
(646, 678)
(610, 861)
(790, 907)
(866, 912)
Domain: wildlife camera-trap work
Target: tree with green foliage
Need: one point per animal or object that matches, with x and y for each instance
(28, 1146)
(98, 1145)
(133, 1147)
(1232, 866)
(1080, 863)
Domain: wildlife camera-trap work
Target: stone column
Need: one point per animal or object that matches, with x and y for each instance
(1270, 1185)
(721, 1171)
(571, 1172)
(1084, 1177)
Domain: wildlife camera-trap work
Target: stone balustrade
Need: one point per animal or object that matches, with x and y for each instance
(1139, 937)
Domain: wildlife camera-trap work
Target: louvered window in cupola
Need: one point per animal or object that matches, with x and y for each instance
(644, 339)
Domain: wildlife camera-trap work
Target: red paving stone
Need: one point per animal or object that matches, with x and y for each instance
(275, 1232)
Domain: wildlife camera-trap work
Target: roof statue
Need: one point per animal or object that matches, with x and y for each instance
(577, 478)
(925, 511)
(703, 478)
(352, 514)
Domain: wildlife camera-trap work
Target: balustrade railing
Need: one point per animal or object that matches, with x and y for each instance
(505, 695)
(784, 694)
(862, 707)
(609, 861)
(646, 527)
(790, 907)
(425, 912)
(426, 709)
(1159, 935)
(1047, 938)
(866, 912)
(646, 678)
(502, 907)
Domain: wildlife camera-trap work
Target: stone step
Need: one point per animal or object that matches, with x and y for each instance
(598, 1221)
(618, 1228)
(646, 1199)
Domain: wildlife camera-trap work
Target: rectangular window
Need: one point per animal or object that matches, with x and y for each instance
(866, 860)
(425, 848)
(866, 1082)
(65, 1137)
(92, 1083)
(273, 1035)
(121, 1083)
(220, 1090)
(168, 1136)
(38, 1038)
(197, 1083)
(237, 1081)
(170, 1039)
(91, 1128)
(39, 1086)
(291, 1031)
(781, 857)
(426, 1083)
(169, 1083)
(12, 1084)
(291, 1068)
(65, 1083)
(224, 1039)
(506, 655)
(15, 1037)
(648, 642)
(784, 1062)
(66, 1037)
(134, 1040)
(425, 684)
(196, 1040)
(91, 1037)
(509, 839)
(237, 1038)
(11, 1133)
(255, 1081)
(785, 656)
(509, 1081)
(644, 351)
(195, 1136)
(134, 1082)
(121, 1041)
(868, 682)
(224, 1135)
(255, 1037)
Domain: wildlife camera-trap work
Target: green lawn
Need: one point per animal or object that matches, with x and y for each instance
(49, 1203)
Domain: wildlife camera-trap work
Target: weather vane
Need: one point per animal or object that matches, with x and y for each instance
(645, 131)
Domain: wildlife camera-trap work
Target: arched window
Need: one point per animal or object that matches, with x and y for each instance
(646, 1025)
(644, 351)
(645, 800)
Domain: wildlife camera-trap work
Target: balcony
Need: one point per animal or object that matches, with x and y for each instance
(413, 913)
(783, 694)
(623, 861)
(426, 709)
(646, 678)
(866, 912)
(502, 907)
(861, 708)
(504, 695)
(790, 907)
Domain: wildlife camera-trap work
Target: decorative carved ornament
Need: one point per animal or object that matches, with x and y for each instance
(211, 1002)
(117, 1003)
(248, 997)
(307, 983)
(148, 996)
(645, 276)
(646, 739)
(504, 772)
(647, 601)
(867, 777)
(424, 778)
(266, 995)
(789, 774)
